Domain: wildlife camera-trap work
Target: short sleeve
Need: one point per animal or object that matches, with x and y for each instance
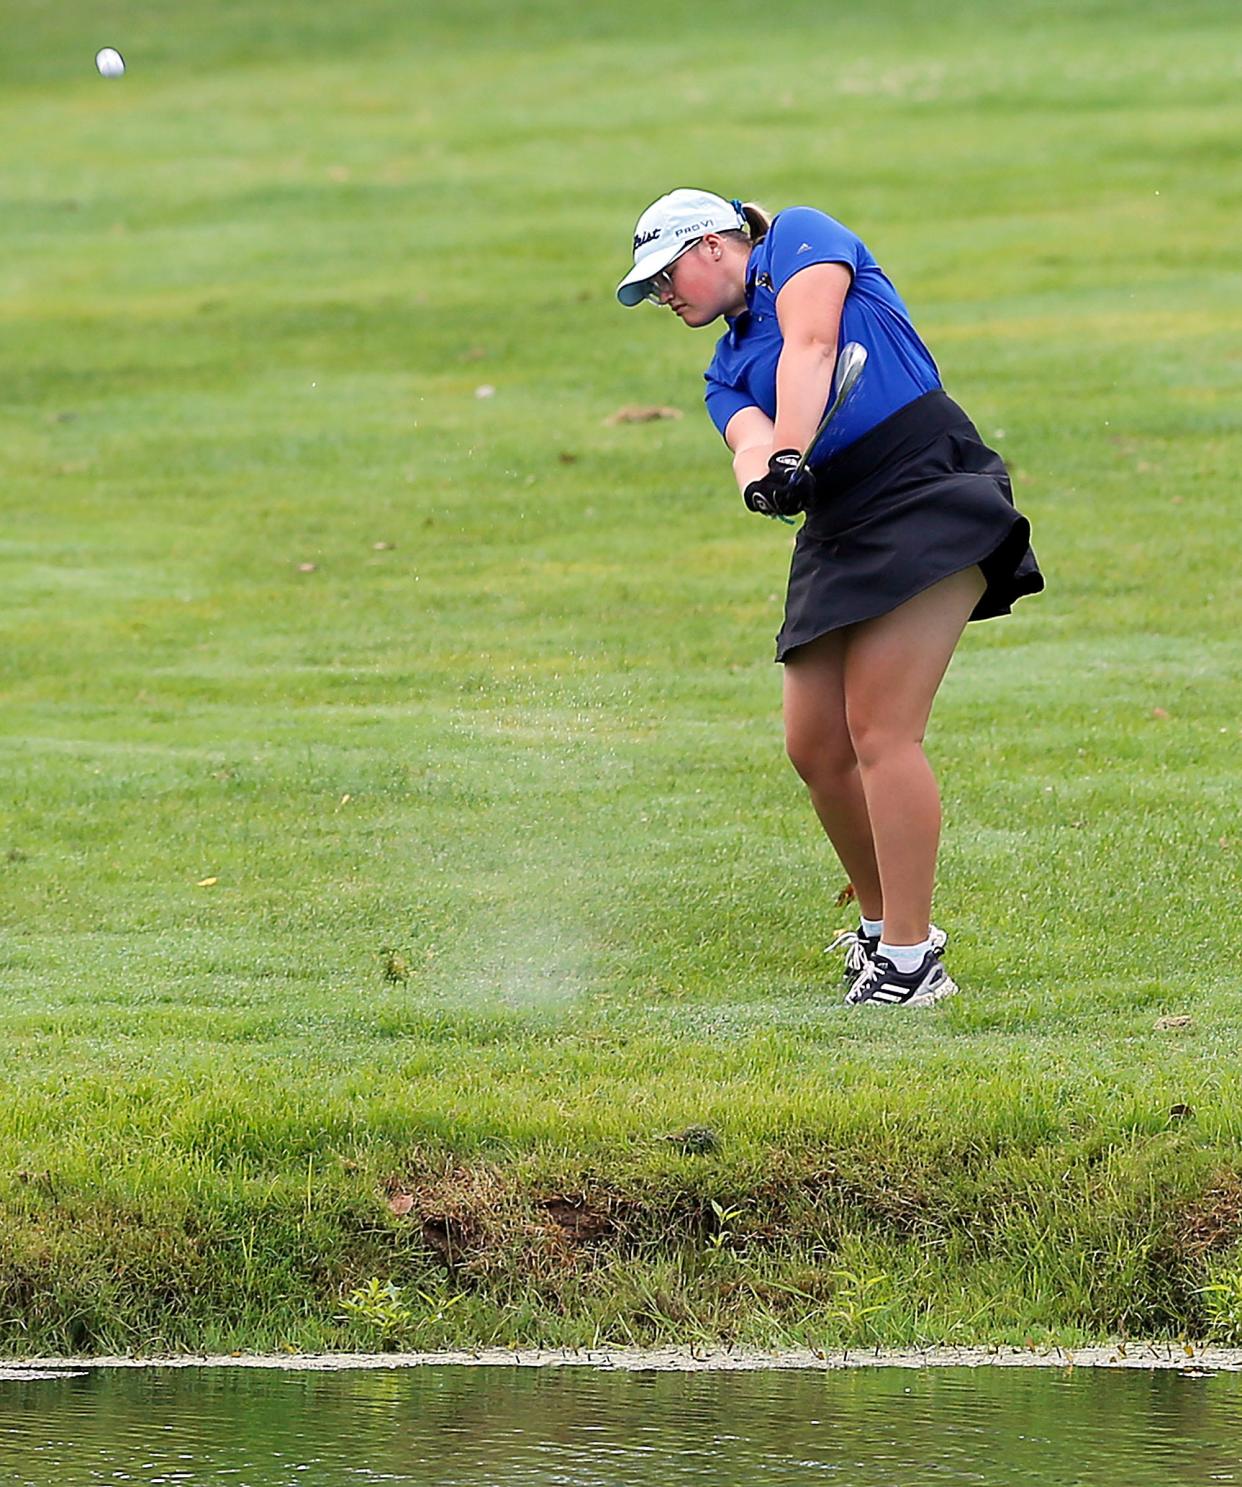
(724, 401)
(801, 236)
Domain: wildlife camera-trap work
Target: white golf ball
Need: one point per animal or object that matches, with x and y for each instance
(110, 62)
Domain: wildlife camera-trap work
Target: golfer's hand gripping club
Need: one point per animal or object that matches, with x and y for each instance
(784, 490)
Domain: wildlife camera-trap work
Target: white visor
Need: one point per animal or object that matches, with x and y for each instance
(667, 228)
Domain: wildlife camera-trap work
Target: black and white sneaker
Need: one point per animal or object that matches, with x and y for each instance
(860, 949)
(883, 985)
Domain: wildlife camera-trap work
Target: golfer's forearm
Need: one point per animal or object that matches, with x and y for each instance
(751, 464)
(803, 382)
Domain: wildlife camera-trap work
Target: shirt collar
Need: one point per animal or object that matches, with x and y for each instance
(737, 326)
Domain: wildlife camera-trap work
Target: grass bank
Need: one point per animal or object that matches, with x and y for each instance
(396, 849)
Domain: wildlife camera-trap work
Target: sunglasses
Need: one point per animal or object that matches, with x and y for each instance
(662, 283)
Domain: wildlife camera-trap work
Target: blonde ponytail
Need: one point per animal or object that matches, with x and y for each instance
(757, 224)
(757, 219)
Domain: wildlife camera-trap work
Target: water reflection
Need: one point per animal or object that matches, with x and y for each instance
(462, 1427)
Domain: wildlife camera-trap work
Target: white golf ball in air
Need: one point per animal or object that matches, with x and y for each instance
(110, 62)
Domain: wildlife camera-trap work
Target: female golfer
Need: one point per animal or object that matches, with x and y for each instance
(910, 532)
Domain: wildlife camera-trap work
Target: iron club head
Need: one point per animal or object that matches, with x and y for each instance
(850, 363)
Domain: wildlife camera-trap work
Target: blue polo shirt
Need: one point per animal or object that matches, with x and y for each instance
(899, 367)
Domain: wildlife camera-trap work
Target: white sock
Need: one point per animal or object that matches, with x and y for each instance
(906, 958)
(872, 928)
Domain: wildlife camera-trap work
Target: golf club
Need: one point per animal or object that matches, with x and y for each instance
(849, 368)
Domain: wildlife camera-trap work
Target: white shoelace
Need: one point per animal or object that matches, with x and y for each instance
(856, 957)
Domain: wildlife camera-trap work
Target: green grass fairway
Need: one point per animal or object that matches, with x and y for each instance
(396, 840)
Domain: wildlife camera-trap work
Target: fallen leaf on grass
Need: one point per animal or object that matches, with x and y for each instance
(635, 413)
(400, 1204)
(307, 567)
(382, 546)
(1159, 712)
(207, 882)
(1168, 1024)
(846, 896)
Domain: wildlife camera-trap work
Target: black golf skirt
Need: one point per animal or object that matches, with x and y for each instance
(917, 498)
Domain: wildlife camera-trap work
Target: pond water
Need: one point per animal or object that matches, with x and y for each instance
(574, 1427)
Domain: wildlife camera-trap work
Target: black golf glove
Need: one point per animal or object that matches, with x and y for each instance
(784, 490)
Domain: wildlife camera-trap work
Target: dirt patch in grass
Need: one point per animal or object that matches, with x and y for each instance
(480, 1220)
(1213, 1223)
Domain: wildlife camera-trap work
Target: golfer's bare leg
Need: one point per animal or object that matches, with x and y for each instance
(892, 668)
(818, 741)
